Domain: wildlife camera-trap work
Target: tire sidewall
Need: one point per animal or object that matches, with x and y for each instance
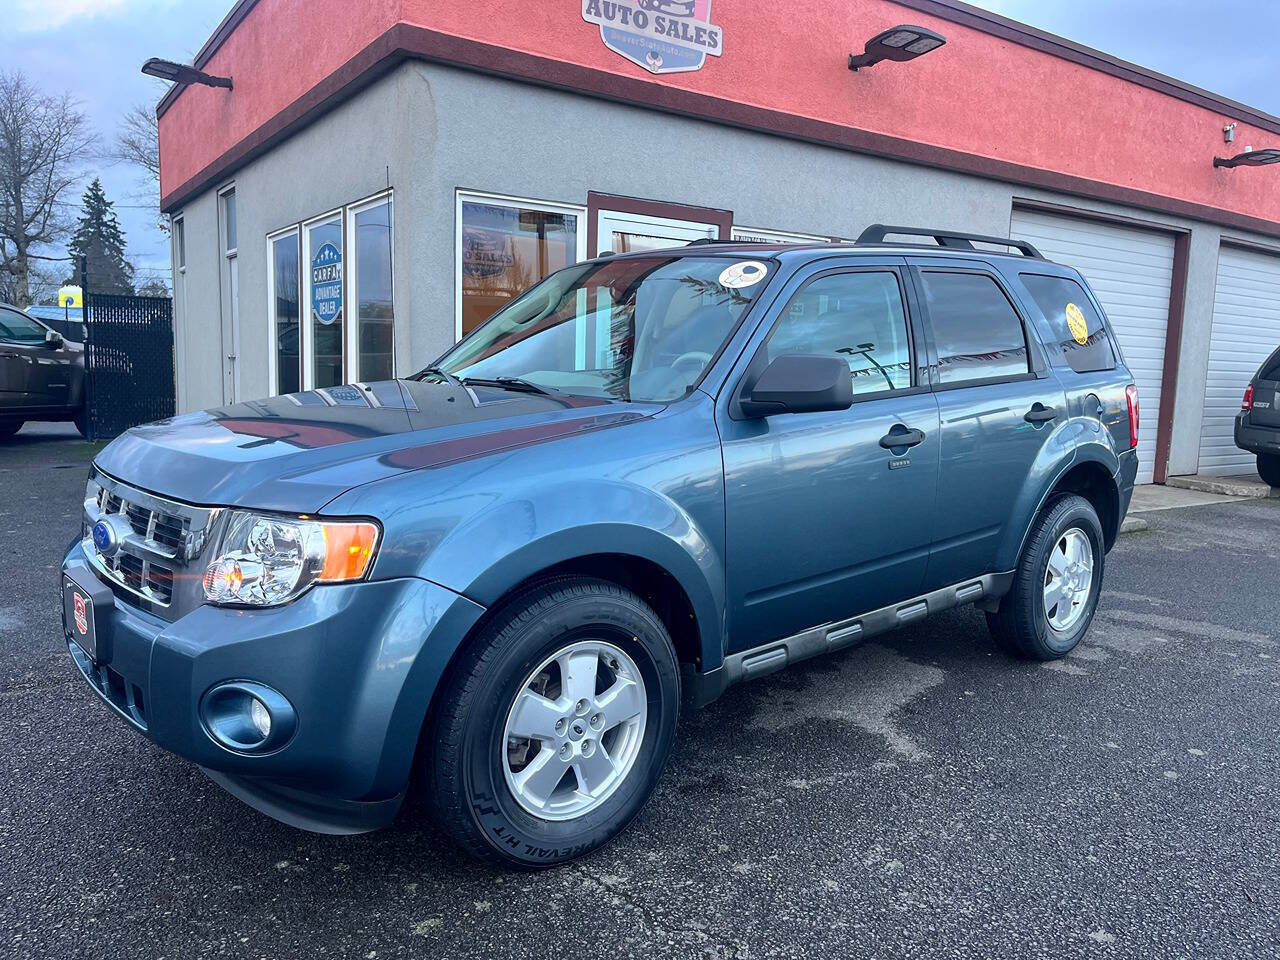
(1078, 514)
(514, 834)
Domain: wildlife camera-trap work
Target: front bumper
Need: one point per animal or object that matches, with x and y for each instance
(358, 662)
(1256, 439)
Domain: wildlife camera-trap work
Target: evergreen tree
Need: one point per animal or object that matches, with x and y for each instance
(99, 239)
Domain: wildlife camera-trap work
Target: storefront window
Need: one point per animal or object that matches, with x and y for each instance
(325, 301)
(285, 299)
(508, 246)
(373, 301)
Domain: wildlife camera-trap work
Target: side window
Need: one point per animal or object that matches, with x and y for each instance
(1271, 368)
(976, 330)
(1076, 325)
(858, 317)
(19, 328)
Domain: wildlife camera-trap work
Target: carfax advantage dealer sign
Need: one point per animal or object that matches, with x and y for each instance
(663, 36)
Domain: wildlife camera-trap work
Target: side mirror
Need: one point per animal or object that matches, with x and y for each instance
(799, 384)
(53, 340)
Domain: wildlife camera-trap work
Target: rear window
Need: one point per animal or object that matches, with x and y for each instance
(1271, 367)
(1077, 328)
(976, 330)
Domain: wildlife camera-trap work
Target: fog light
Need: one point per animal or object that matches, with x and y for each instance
(247, 717)
(260, 716)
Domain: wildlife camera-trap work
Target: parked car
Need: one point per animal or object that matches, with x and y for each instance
(1258, 422)
(649, 477)
(41, 375)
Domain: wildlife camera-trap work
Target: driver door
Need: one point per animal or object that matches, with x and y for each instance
(823, 521)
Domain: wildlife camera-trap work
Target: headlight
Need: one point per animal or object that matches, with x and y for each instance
(267, 560)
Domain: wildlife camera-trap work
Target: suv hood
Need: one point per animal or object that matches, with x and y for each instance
(295, 453)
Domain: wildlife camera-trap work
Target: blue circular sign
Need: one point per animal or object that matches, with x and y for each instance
(326, 283)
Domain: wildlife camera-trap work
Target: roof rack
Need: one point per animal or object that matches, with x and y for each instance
(946, 238)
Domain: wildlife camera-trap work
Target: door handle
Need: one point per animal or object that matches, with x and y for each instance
(1039, 413)
(901, 436)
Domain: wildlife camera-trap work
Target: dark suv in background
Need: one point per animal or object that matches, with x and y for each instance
(1258, 422)
(648, 477)
(41, 375)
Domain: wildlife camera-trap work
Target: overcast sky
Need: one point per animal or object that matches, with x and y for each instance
(93, 48)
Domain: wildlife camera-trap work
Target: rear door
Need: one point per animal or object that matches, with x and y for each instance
(823, 520)
(997, 403)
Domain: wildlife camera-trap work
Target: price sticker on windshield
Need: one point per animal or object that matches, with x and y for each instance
(745, 274)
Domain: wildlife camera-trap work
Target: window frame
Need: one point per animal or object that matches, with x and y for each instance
(461, 196)
(351, 329)
(273, 378)
(307, 344)
(25, 316)
(910, 311)
(228, 249)
(1036, 368)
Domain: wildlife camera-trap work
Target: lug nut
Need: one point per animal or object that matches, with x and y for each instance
(597, 721)
(561, 724)
(566, 752)
(581, 706)
(588, 747)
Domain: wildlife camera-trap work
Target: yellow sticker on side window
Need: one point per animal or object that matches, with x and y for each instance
(1075, 320)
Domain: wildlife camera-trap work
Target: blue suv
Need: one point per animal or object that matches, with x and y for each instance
(647, 478)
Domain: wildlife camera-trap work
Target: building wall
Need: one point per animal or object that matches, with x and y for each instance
(428, 130)
(784, 64)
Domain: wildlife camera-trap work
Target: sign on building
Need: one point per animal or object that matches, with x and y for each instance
(663, 36)
(326, 283)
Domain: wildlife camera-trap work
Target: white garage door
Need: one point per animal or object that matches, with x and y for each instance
(1131, 271)
(1246, 328)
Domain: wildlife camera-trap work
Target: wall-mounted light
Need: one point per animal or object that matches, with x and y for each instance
(1228, 133)
(900, 43)
(1250, 158)
(182, 73)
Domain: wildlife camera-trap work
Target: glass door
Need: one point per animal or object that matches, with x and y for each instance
(628, 232)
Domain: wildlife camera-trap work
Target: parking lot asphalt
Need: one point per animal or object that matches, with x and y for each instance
(920, 796)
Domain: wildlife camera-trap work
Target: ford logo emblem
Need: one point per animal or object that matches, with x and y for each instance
(105, 539)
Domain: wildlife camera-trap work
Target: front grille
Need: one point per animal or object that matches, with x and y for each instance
(161, 551)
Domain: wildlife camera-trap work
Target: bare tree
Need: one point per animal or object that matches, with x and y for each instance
(138, 140)
(42, 141)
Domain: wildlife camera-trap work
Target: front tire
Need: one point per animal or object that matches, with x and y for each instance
(556, 724)
(81, 420)
(1269, 468)
(1056, 586)
(9, 427)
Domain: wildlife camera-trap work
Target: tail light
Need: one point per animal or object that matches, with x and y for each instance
(1247, 402)
(1131, 395)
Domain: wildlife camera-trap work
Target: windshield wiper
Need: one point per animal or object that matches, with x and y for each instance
(512, 383)
(439, 372)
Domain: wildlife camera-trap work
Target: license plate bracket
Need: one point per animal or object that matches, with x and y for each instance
(77, 614)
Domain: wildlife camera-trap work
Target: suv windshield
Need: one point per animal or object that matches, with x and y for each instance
(642, 328)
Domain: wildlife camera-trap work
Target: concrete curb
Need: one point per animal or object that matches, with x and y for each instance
(1226, 486)
(1133, 525)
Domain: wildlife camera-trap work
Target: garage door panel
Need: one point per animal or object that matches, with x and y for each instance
(1131, 272)
(1246, 328)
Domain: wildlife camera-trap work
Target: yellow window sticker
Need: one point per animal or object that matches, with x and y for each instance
(1075, 320)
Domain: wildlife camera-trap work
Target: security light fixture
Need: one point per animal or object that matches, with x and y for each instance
(1250, 158)
(900, 43)
(182, 73)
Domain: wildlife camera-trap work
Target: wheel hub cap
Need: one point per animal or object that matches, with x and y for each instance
(574, 730)
(1068, 580)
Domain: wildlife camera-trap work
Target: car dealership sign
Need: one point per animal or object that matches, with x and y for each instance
(663, 36)
(326, 283)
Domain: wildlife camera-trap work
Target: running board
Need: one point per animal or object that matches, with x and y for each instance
(777, 654)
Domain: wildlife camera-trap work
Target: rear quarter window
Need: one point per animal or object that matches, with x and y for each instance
(1078, 330)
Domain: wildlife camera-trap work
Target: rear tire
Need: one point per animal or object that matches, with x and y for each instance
(9, 427)
(511, 679)
(81, 420)
(1269, 468)
(1056, 586)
